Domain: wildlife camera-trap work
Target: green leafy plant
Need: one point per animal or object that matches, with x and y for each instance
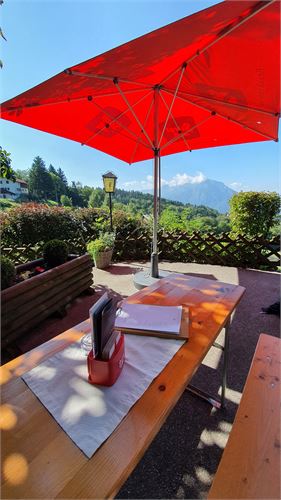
(6, 170)
(8, 272)
(55, 253)
(104, 243)
(254, 213)
(33, 222)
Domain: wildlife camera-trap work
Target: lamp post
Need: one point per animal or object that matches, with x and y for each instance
(109, 184)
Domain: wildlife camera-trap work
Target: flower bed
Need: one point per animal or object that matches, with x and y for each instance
(27, 303)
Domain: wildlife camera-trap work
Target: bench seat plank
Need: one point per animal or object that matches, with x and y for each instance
(250, 465)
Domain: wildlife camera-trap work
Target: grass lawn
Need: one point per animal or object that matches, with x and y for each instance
(7, 204)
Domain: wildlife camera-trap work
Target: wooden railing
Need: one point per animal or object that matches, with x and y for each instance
(178, 246)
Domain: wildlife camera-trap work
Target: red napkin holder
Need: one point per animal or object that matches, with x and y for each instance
(106, 372)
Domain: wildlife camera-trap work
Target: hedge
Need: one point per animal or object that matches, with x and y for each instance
(32, 222)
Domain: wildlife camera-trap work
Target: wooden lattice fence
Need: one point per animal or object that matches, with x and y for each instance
(25, 253)
(178, 246)
(221, 249)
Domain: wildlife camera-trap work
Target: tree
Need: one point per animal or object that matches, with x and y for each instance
(22, 174)
(52, 169)
(170, 219)
(85, 192)
(74, 194)
(253, 213)
(2, 35)
(62, 176)
(5, 165)
(96, 198)
(202, 224)
(65, 201)
(58, 187)
(40, 181)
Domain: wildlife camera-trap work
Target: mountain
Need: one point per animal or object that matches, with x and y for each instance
(211, 193)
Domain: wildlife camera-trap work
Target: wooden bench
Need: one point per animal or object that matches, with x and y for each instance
(250, 465)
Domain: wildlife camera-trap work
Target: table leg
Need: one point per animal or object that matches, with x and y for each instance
(219, 404)
(225, 363)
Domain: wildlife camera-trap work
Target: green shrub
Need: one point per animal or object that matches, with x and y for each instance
(32, 222)
(254, 213)
(93, 221)
(8, 272)
(55, 253)
(102, 244)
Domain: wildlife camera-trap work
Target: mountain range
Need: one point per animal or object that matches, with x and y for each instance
(211, 193)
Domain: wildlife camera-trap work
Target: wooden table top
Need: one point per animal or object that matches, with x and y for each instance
(39, 460)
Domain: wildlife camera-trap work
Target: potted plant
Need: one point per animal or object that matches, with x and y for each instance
(55, 253)
(8, 273)
(101, 250)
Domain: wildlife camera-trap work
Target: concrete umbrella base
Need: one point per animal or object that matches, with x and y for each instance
(144, 278)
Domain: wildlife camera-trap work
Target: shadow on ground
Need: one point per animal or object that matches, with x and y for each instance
(184, 456)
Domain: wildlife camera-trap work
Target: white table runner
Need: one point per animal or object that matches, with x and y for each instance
(87, 413)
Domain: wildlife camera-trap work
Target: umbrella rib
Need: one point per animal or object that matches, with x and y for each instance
(133, 112)
(172, 103)
(115, 119)
(120, 132)
(181, 136)
(70, 99)
(106, 77)
(145, 121)
(128, 91)
(234, 105)
(174, 120)
(224, 32)
(39, 105)
(229, 119)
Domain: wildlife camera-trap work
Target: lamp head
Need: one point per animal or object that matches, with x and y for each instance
(109, 182)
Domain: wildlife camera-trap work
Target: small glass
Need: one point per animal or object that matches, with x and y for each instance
(86, 343)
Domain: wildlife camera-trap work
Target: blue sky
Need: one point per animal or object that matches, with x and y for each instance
(45, 37)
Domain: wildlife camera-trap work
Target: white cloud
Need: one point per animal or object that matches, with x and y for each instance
(177, 180)
(236, 185)
(181, 179)
(139, 185)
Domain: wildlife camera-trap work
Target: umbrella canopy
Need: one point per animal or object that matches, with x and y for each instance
(210, 79)
(213, 79)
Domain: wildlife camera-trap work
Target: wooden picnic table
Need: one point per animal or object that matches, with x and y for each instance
(39, 460)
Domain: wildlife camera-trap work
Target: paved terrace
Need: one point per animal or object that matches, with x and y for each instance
(183, 458)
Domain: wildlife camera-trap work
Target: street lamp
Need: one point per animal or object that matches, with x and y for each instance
(109, 184)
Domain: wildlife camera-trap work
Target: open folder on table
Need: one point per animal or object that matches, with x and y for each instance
(160, 321)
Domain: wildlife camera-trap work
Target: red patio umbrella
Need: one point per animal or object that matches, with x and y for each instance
(210, 79)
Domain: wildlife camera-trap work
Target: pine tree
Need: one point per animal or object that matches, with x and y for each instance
(40, 181)
(52, 169)
(62, 175)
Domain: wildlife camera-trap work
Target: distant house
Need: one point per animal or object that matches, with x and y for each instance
(11, 189)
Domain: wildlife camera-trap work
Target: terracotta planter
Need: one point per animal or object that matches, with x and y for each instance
(26, 304)
(103, 259)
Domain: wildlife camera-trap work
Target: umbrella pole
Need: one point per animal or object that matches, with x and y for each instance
(154, 255)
